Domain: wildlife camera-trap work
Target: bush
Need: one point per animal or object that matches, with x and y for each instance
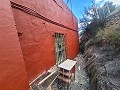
(109, 36)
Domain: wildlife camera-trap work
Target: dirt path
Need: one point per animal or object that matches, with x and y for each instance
(81, 79)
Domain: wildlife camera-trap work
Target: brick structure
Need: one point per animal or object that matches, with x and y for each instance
(28, 42)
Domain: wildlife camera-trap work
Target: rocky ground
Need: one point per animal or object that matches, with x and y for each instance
(81, 81)
(104, 71)
(81, 78)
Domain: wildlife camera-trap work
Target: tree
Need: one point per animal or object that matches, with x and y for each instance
(94, 17)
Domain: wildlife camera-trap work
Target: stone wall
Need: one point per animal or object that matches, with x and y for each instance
(113, 21)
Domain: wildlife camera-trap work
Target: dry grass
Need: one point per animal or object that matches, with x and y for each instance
(109, 36)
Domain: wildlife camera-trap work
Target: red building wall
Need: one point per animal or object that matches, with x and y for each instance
(13, 75)
(37, 41)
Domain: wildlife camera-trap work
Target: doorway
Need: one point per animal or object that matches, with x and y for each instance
(60, 48)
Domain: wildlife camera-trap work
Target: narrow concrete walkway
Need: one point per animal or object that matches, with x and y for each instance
(81, 79)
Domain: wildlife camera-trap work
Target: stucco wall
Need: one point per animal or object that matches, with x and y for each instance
(37, 41)
(13, 75)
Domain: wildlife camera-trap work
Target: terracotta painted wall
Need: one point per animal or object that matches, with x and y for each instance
(13, 75)
(37, 41)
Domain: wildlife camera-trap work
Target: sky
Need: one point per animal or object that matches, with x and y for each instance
(78, 5)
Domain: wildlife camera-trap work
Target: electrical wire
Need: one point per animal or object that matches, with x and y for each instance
(67, 1)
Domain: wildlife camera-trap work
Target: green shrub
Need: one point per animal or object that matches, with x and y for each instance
(109, 36)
